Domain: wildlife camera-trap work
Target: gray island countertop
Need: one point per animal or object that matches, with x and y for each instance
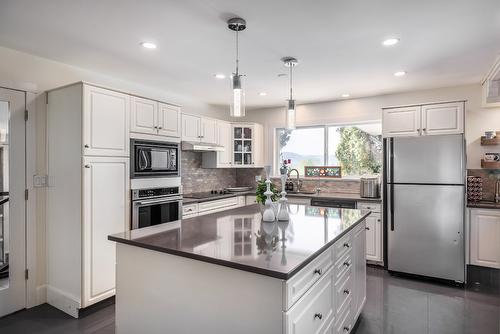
(237, 238)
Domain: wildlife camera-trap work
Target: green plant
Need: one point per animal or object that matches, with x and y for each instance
(261, 189)
(359, 152)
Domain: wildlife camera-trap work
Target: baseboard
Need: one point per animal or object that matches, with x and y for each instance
(63, 301)
(41, 294)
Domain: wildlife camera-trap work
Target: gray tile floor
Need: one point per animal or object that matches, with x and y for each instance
(395, 305)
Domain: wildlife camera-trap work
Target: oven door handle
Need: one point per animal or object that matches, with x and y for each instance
(143, 157)
(156, 201)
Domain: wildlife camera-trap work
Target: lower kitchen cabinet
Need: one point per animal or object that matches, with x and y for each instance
(217, 205)
(484, 246)
(374, 231)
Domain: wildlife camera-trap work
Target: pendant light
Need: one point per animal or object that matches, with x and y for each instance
(290, 62)
(237, 24)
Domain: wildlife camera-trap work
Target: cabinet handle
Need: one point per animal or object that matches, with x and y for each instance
(318, 271)
(347, 263)
(347, 329)
(424, 129)
(367, 228)
(87, 166)
(318, 315)
(347, 245)
(86, 146)
(378, 220)
(347, 292)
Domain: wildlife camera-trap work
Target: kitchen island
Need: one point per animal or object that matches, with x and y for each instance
(229, 272)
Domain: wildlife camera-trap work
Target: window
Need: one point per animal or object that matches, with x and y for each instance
(356, 148)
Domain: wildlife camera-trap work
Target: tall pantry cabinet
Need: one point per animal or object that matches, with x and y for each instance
(88, 194)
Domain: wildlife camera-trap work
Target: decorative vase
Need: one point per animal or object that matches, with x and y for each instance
(269, 214)
(283, 213)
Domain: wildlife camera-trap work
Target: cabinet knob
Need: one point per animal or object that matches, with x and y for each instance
(86, 146)
(347, 245)
(367, 228)
(347, 292)
(318, 271)
(378, 220)
(318, 315)
(347, 263)
(160, 127)
(87, 166)
(347, 329)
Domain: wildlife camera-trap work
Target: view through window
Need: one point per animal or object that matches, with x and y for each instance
(356, 148)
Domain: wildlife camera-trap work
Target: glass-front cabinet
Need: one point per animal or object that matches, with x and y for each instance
(243, 144)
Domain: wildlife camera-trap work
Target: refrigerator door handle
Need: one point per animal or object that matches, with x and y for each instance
(391, 160)
(391, 201)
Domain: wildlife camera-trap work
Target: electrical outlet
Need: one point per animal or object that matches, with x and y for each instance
(40, 181)
(258, 178)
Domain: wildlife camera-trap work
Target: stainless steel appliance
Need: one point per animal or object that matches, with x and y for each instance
(369, 187)
(154, 159)
(153, 206)
(425, 184)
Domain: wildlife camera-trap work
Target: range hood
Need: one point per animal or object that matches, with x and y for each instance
(201, 147)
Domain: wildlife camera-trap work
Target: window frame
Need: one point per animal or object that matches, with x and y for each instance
(277, 160)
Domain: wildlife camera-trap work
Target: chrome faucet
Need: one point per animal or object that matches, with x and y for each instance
(298, 178)
(497, 191)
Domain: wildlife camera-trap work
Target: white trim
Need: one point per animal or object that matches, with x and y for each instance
(63, 301)
(31, 217)
(41, 294)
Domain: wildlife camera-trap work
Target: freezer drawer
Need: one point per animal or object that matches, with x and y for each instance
(425, 230)
(428, 159)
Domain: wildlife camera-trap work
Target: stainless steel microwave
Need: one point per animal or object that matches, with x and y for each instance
(154, 158)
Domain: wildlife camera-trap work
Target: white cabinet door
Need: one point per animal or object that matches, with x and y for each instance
(105, 212)
(224, 159)
(169, 120)
(208, 130)
(143, 116)
(359, 242)
(258, 146)
(485, 238)
(441, 119)
(106, 124)
(398, 122)
(190, 128)
(373, 238)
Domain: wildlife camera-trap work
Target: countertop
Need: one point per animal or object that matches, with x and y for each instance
(349, 196)
(483, 205)
(238, 238)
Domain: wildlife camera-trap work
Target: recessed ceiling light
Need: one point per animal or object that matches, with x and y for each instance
(220, 76)
(148, 45)
(390, 42)
(262, 94)
(346, 95)
(399, 73)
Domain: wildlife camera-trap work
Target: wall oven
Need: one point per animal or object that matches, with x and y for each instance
(154, 159)
(154, 206)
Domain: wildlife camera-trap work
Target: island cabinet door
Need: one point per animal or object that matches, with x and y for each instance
(314, 312)
(105, 212)
(359, 241)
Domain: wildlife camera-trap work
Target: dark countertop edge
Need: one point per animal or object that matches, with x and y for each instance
(240, 266)
(188, 200)
(483, 206)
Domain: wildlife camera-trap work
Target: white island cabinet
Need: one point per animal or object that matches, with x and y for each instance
(236, 274)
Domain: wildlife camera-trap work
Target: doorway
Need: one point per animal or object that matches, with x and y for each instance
(12, 201)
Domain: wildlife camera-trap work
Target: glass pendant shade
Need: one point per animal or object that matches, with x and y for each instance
(290, 115)
(238, 101)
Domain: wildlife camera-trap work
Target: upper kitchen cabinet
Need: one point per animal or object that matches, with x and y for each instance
(199, 129)
(404, 121)
(424, 120)
(152, 120)
(221, 159)
(491, 86)
(248, 145)
(105, 130)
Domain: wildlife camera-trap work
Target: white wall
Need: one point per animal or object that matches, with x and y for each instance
(478, 119)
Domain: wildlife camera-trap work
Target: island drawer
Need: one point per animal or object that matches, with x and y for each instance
(343, 323)
(217, 205)
(304, 279)
(373, 207)
(343, 292)
(342, 246)
(342, 266)
(314, 312)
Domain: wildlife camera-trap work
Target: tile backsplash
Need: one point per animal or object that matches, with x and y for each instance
(489, 179)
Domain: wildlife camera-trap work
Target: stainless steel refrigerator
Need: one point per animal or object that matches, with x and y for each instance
(425, 194)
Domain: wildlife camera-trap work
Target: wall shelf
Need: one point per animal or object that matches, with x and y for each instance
(490, 164)
(491, 142)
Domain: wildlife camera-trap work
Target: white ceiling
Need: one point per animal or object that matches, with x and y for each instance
(443, 43)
